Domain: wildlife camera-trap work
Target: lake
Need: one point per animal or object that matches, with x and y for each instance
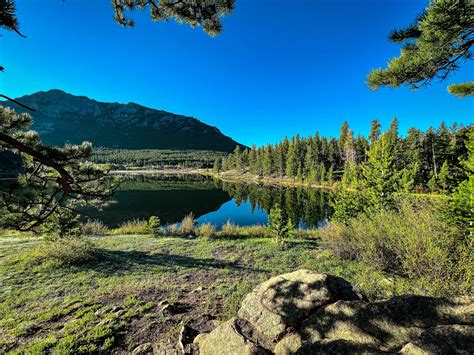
(171, 197)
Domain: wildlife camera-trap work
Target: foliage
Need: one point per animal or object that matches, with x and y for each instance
(188, 225)
(462, 90)
(93, 228)
(206, 230)
(463, 196)
(73, 250)
(134, 226)
(205, 13)
(413, 240)
(229, 229)
(62, 223)
(279, 228)
(55, 180)
(156, 158)
(415, 158)
(433, 47)
(154, 225)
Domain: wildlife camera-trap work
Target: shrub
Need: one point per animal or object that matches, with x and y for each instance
(172, 230)
(206, 230)
(229, 229)
(154, 226)
(188, 225)
(68, 251)
(256, 231)
(62, 223)
(278, 227)
(338, 238)
(93, 227)
(414, 241)
(134, 226)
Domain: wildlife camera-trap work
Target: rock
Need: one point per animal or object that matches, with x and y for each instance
(143, 349)
(307, 313)
(443, 339)
(283, 301)
(288, 345)
(384, 324)
(226, 339)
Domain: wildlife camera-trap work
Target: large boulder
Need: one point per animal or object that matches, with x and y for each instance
(282, 302)
(305, 313)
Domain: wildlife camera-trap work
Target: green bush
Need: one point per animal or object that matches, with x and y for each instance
(413, 240)
(93, 227)
(206, 230)
(68, 251)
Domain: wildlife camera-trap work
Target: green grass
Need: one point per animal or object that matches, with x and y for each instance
(117, 302)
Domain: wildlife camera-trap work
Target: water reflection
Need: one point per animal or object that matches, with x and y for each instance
(171, 197)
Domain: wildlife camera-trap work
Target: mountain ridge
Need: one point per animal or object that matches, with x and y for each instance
(62, 118)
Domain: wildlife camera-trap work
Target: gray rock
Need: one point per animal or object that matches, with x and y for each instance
(226, 340)
(307, 313)
(443, 339)
(146, 348)
(284, 301)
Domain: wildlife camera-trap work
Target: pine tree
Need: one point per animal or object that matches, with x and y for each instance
(279, 227)
(444, 177)
(380, 178)
(253, 160)
(433, 47)
(268, 161)
(292, 160)
(374, 130)
(322, 174)
(217, 166)
(238, 158)
(330, 177)
(57, 179)
(462, 200)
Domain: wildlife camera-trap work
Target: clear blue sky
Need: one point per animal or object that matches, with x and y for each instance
(280, 66)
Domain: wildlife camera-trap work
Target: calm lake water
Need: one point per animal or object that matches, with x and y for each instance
(171, 197)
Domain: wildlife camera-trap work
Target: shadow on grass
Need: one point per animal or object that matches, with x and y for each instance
(118, 261)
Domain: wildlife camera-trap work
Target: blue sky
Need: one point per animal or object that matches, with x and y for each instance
(280, 67)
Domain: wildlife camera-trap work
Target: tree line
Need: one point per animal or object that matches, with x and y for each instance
(420, 161)
(155, 158)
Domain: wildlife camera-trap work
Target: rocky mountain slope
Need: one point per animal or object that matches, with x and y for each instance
(64, 118)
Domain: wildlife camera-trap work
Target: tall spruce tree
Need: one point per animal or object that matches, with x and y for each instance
(374, 130)
(380, 178)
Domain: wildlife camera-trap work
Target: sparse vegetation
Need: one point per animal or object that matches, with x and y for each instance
(93, 227)
(120, 300)
(206, 230)
(134, 226)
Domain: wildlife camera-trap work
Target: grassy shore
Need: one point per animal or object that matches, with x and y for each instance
(142, 289)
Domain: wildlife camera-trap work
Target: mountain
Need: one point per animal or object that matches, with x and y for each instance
(64, 118)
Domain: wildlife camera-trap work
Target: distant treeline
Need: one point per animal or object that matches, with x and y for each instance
(429, 160)
(153, 158)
